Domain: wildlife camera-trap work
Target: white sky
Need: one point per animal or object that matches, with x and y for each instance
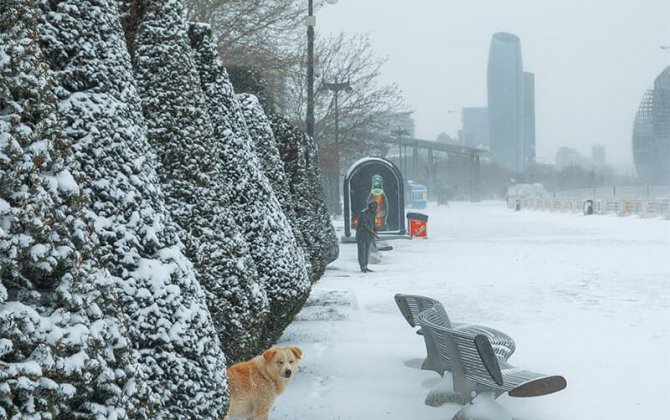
(592, 59)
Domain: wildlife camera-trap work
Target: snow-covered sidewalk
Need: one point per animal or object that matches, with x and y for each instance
(584, 297)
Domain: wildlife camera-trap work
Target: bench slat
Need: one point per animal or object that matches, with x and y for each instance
(411, 305)
(505, 344)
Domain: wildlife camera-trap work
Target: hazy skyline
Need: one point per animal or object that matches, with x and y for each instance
(592, 59)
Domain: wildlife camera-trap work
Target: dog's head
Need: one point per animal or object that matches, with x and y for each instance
(282, 362)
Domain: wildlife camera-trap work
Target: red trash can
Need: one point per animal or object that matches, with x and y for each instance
(418, 225)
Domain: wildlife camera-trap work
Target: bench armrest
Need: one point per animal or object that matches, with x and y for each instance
(488, 356)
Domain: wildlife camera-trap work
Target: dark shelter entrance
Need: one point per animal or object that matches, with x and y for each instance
(375, 179)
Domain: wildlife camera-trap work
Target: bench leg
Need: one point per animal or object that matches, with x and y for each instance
(483, 407)
(443, 393)
(429, 364)
(438, 398)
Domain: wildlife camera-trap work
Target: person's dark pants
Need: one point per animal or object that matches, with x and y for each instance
(363, 252)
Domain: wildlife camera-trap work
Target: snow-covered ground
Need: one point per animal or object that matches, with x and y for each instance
(587, 297)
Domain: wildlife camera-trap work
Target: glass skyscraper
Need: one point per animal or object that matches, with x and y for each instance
(651, 133)
(505, 83)
(476, 127)
(528, 118)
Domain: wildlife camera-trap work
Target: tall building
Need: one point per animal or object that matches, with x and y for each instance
(651, 133)
(598, 155)
(476, 127)
(528, 118)
(644, 153)
(505, 82)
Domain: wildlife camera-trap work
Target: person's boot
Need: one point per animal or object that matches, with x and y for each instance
(367, 270)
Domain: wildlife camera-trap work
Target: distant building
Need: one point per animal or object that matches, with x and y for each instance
(651, 133)
(598, 155)
(644, 144)
(508, 105)
(476, 127)
(528, 118)
(566, 157)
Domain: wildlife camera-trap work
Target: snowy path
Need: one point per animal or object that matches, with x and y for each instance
(585, 297)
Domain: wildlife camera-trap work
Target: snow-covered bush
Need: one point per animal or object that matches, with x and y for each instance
(192, 176)
(169, 323)
(299, 154)
(272, 165)
(330, 248)
(254, 205)
(63, 344)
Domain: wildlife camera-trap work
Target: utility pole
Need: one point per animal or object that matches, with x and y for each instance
(400, 132)
(336, 88)
(311, 22)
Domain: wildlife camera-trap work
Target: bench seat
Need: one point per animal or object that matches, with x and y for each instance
(477, 368)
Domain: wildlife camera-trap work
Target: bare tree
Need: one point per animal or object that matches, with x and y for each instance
(253, 33)
(363, 112)
(266, 38)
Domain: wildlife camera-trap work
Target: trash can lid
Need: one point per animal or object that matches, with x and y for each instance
(417, 216)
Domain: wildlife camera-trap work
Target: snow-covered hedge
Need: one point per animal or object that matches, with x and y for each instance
(141, 238)
(169, 323)
(272, 165)
(253, 203)
(193, 177)
(299, 154)
(63, 342)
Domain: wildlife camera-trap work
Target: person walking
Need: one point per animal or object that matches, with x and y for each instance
(365, 234)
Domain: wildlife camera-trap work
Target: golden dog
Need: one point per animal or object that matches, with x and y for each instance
(255, 384)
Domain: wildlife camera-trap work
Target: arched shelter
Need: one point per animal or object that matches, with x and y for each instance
(377, 179)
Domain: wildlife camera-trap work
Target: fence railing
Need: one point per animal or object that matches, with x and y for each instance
(621, 201)
(615, 192)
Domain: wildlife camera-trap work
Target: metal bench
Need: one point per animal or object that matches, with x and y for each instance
(476, 368)
(411, 305)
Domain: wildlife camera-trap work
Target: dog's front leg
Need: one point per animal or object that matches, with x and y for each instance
(261, 412)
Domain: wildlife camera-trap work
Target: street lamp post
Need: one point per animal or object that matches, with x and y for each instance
(311, 23)
(400, 132)
(415, 160)
(336, 88)
(400, 153)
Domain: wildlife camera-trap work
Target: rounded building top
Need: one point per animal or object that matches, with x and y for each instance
(506, 36)
(663, 79)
